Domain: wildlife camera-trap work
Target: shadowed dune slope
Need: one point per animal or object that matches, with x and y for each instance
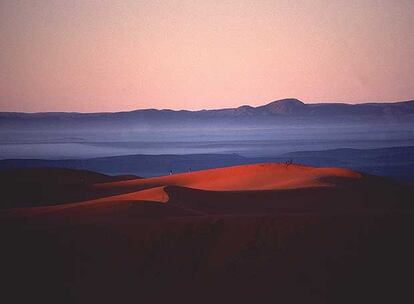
(48, 186)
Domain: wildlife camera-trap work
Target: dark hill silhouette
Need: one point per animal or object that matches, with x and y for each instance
(27, 187)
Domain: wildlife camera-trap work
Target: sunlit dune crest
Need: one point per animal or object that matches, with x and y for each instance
(269, 176)
(258, 184)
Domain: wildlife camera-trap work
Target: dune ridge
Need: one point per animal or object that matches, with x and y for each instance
(246, 189)
(265, 176)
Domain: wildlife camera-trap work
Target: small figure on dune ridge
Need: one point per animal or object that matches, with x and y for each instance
(288, 163)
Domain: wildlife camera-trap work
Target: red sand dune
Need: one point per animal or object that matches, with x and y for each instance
(257, 233)
(247, 189)
(259, 177)
(268, 176)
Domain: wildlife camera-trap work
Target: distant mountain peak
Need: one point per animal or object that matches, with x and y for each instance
(284, 106)
(245, 107)
(287, 101)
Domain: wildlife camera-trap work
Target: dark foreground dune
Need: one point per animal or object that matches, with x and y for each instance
(29, 187)
(255, 233)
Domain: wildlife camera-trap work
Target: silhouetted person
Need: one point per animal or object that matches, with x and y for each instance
(171, 172)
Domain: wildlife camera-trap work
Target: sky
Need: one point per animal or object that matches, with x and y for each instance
(93, 56)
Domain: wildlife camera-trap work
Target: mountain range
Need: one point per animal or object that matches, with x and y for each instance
(285, 110)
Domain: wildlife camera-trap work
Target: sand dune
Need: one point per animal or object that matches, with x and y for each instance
(248, 189)
(48, 186)
(268, 176)
(255, 233)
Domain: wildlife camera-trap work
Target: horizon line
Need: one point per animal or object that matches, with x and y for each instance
(215, 109)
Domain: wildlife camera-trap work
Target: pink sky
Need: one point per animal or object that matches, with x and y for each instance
(93, 56)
